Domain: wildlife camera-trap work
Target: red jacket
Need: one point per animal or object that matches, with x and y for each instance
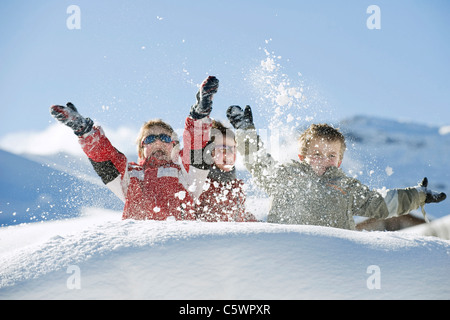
(223, 199)
(151, 189)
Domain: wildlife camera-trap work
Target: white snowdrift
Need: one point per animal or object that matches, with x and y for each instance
(99, 256)
(437, 228)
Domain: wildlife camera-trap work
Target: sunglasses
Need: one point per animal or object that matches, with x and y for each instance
(162, 137)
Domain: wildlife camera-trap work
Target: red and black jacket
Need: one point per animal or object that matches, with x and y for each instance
(153, 189)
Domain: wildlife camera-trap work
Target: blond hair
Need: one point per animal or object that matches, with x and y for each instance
(149, 124)
(323, 131)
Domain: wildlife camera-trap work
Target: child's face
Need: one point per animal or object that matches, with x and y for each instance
(158, 149)
(323, 154)
(224, 154)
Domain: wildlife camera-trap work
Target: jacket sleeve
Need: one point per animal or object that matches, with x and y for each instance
(196, 159)
(261, 165)
(392, 203)
(109, 163)
(402, 201)
(365, 202)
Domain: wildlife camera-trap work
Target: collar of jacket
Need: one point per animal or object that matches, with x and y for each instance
(220, 175)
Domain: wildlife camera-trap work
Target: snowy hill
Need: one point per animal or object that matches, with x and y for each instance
(81, 249)
(98, 256)
(31, 191)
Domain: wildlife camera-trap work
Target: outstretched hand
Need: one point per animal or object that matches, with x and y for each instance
(240, 119)
(69, 116)
(205, 95)
(431, 196)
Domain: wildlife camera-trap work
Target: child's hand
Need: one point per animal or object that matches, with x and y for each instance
(69, 116)
(205, 96)
(432, 196)
(240, 119)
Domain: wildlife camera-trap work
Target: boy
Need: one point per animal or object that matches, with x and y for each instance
(315, 191)
(158, 186)
(223, 198)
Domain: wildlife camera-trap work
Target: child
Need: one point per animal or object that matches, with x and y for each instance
(158, 186)
(315, 191)
(223, 198)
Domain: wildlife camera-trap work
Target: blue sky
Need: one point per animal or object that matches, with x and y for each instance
(136, 60)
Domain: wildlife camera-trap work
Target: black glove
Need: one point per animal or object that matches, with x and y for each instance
(240, 119)
(204, 97)
(69, 116)
(432, 196)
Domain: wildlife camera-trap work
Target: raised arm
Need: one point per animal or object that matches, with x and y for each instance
(262, 166)
(196, 157)
(394, 202)
(109, 163)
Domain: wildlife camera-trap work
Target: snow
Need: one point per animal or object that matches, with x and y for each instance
(62, 236)
(172, 260)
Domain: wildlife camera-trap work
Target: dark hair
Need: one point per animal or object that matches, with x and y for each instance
(218, 129)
